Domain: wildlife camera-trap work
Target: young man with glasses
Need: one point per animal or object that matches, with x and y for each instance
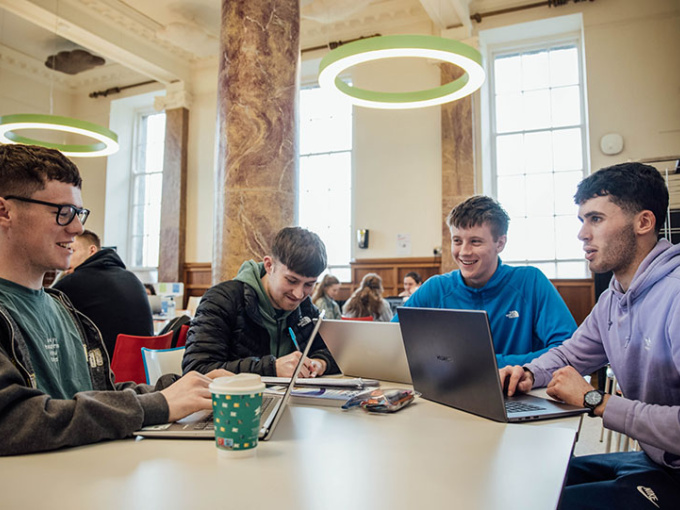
(56, 386)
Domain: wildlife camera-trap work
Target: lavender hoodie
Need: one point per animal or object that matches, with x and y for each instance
(638, 333)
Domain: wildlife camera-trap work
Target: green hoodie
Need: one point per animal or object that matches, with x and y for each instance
(280, 343)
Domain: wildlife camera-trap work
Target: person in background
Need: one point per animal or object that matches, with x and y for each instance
(150, 289)
(367, 300)
(324, 297)
(526, 314)
(99, 285)
(56, 385)
(412, 282)
(635, 327)
(260, 321)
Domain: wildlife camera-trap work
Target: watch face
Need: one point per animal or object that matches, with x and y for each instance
(593, 398)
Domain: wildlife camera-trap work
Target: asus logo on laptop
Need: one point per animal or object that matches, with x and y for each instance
(448, 359)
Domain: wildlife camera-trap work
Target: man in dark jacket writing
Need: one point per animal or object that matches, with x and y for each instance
(253, 323)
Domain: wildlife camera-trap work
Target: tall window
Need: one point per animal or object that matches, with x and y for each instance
(325, 183)
(146, 189)
(538, 140)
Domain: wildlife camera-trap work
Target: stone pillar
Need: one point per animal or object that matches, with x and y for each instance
(458, 167)
(174, 201)
(256, 181)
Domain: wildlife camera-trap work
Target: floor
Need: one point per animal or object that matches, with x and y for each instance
(589, 437)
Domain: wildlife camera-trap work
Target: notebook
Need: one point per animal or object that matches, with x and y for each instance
(452, 361)
(200, 424)
(367, 349)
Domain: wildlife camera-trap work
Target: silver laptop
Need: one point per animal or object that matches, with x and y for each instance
(200, 424)
(452, 361)
(367, 349)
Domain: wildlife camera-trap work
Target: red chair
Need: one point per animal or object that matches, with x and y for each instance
(127, 363)
(369, 318)
(182, 338)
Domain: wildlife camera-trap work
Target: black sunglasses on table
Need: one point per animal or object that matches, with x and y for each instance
(66, 213)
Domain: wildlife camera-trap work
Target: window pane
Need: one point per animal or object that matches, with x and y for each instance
(543, 229)
(518, 237)
(537, 109)
(572, 270)
(566, 106)
(568, 153)
(508, 73)
(510, 154)
(540, 189)
(564, 67)
(509, 113)
(567, 244)
(538, 152)
(565, 189)
(512, 195)
(535, 70)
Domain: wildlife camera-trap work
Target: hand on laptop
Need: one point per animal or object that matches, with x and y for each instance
(190, 394)
(516, 379)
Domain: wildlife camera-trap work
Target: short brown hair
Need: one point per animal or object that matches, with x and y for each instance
(91, 239)
(478, 210)
(25, 169)
(300, 250)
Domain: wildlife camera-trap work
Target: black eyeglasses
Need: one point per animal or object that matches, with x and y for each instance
(66, 213)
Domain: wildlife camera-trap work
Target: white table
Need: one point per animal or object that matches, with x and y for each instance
(425, 456)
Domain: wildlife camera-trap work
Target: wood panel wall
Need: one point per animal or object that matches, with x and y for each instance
(578, 294)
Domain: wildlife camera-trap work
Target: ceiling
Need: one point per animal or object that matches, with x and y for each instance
(165, 40)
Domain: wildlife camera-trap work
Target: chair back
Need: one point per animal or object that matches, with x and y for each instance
(182, 337)
(161, 361)
(369, 318)
(174, 325)
(127, 363)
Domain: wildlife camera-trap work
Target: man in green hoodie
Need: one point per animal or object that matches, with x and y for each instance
(259, 321)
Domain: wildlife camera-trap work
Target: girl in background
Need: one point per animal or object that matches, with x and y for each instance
(367, 300)
(324, 296)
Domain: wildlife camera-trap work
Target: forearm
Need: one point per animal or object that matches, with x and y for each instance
(32, 421)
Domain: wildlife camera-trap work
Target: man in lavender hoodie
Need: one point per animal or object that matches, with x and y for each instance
(635, 327)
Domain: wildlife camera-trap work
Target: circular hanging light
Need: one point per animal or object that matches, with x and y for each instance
(391, 46)
(107, 140)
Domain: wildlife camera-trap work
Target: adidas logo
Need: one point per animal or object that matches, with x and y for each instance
(649, 494)
(514, 314)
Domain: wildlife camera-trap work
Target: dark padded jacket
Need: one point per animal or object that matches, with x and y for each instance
(227, 332)
(32, 421)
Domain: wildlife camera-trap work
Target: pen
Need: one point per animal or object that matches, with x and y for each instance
(292, 337)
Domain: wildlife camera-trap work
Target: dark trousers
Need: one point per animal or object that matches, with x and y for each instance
(626, 480)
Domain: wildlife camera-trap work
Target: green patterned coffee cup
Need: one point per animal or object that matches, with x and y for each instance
(237, 405)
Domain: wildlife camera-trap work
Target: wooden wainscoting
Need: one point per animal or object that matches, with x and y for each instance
(197, 278)
(392, 271)
(579, 295)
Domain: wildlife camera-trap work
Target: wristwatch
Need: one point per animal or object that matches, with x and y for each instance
(592, 399)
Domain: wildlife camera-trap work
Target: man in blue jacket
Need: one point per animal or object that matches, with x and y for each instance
(526, 314)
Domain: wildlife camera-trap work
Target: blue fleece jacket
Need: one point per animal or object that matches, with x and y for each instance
(638, 333)
(526, 314)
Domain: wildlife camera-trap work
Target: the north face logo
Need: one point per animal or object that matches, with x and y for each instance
(514, 314)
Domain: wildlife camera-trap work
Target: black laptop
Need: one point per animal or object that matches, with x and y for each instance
(452, 361)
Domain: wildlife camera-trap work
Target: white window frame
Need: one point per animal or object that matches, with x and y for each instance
(521, 46)
(333, 268)
(140, 114)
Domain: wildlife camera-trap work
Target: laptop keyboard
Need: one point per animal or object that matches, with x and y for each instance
(520, 407)
(207, 422)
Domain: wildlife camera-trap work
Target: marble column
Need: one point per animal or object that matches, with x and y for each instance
(258, 80)
(173, 203)
(458, 168)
